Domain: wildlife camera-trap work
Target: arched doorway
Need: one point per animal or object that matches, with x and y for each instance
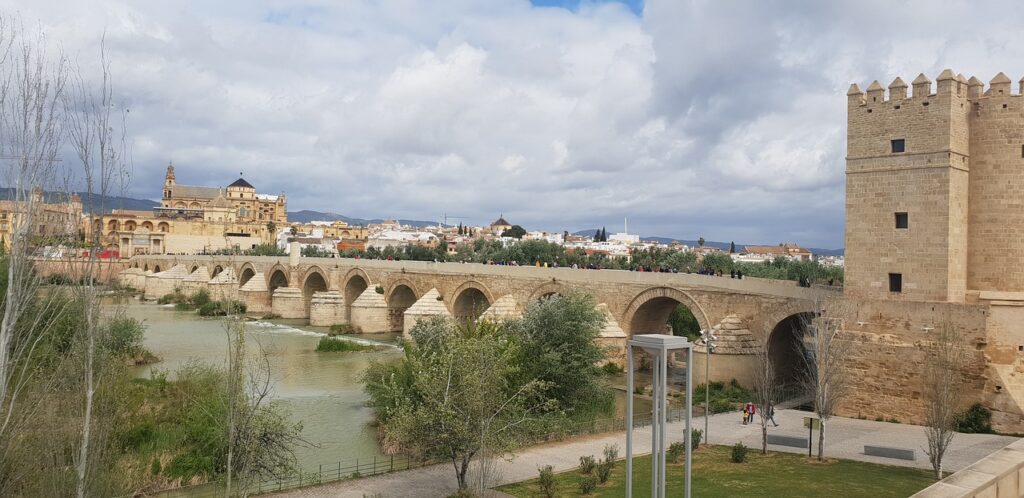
(354, 287)
(314, 283)
(786, 349)
(400, 299)
(470, 304)
(277, 279)
(216, 271)
(247, 274)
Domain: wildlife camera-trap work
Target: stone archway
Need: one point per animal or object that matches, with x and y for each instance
(247, 273)
(786, 348)
(650, 311)
(314, 281)
(356, 281)
(193, 268)
(471, 300)
(216, 271)
(547, 290)
(278, 278)
(399, 299)
(156, 269)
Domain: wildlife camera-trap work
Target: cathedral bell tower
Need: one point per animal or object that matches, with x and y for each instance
(168, 181)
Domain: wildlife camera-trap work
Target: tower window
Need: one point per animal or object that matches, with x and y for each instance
(902, 220)
(895, 282)
(898, 145)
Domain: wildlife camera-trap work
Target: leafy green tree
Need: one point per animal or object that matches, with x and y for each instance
(732, 248)
(312, 251)
(684, 323)
(272, 227)
(515, 231)
(700, 242)
(717, 262)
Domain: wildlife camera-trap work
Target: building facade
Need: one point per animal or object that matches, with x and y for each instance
(53, 220)
(194, 220)
(934, 238)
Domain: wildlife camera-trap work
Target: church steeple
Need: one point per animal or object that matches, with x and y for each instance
(168, 180)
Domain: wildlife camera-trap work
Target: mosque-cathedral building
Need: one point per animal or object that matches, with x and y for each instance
(195, 219)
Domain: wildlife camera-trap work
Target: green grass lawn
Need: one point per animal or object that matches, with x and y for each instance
(775, 474)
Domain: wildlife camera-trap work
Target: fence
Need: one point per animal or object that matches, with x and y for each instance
(375, 465)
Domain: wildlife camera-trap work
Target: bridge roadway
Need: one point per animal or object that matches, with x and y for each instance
(384, 296)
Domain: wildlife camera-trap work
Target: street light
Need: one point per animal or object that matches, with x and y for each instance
(709, 347)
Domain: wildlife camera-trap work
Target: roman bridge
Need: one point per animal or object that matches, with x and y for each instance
(390, 296)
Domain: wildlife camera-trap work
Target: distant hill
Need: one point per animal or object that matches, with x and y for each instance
(306, 216)
(720, 245)
(109, 203)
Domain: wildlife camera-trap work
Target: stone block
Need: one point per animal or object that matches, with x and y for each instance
(287, 302)
(889, 452)
(326, 309)
(791, 441)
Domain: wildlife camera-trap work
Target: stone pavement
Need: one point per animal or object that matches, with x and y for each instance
(845, 438)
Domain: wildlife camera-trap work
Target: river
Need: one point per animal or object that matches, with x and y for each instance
(321, 390)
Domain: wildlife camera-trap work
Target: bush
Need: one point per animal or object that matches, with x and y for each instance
(201, 297)
(222, 308)
(155, 468)
(604, 470)
(344, 328)
(695, 437)
(59, 279)
(611, 452)
(546, 481)
(587, 464)
(612, 369)
(328, 344)
(125, 337)
(588, 484)
(675, 452)
(739, 453)
(975, 420)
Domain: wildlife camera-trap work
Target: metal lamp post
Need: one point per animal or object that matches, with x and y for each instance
(658, 347)
(709, 347)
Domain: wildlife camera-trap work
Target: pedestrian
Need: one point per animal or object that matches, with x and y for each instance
(753, 411)
(771, 414)
(745, 413)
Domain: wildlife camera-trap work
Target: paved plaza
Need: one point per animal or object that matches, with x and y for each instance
(845, 438)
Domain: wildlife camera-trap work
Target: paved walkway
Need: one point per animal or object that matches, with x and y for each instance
(845, 438)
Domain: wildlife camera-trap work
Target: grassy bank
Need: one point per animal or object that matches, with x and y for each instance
(775, 474)
(328, 344)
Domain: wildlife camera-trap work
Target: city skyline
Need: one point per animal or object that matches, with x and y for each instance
(659, 112)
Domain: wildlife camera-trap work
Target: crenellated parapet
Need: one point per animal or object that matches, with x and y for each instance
(947, 84)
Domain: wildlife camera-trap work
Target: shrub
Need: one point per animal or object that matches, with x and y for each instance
(611, 369)
(184, 306)
(611, 452)
(328, 344)
(222, 308)
(343, 328)
(722, 405)
(201, 297)
(675, 452)
(378, 289)
(975, 420)
(125, 336)
(588, 484)
(546, 481)
(695, 436)
(154, 468)
(604, 470)
(58, 279)
(739, 453)
(587, 464)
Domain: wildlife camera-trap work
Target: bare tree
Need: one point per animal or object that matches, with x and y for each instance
(826, 378)
(32, 85)
(943, 376)
(96, 131)
(766, 392)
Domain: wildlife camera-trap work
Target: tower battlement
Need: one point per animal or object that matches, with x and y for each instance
(947, 84)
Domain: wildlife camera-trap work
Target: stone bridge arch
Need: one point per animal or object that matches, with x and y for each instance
(277, 277)
(353, 284)
(400, 295)
(547, 289)
(245, 272)
(784, 340)
(314, 280)
(649, 311)
(469, 300)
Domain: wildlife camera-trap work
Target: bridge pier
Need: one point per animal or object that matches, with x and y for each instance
(428, 305)
(369, 312)
(326, 308)
(255, 295)
(287, 302)
(224, 285)
(165, 282)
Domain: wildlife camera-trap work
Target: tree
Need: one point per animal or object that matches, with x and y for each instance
(515, 231)
(455, 394)
(826, 378)
(732, 248)
(700, 242)
(766, 391)
(604, 234)
(943, 377)
(293, 230)
(272, 228)
(597, 235)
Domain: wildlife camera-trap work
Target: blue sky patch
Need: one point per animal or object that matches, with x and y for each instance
(637, 6)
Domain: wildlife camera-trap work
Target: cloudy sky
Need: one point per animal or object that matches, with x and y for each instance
(722, 119)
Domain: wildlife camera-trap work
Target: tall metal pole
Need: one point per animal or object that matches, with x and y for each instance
(655, 419)
(629, 421)
(689, 407)
(663, 421)
(707, 383)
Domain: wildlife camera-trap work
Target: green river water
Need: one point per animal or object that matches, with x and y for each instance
(321, 390)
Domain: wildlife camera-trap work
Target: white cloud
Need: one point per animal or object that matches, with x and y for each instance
(722, 119)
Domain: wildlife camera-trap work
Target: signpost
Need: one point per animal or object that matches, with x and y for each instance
(811, 423)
